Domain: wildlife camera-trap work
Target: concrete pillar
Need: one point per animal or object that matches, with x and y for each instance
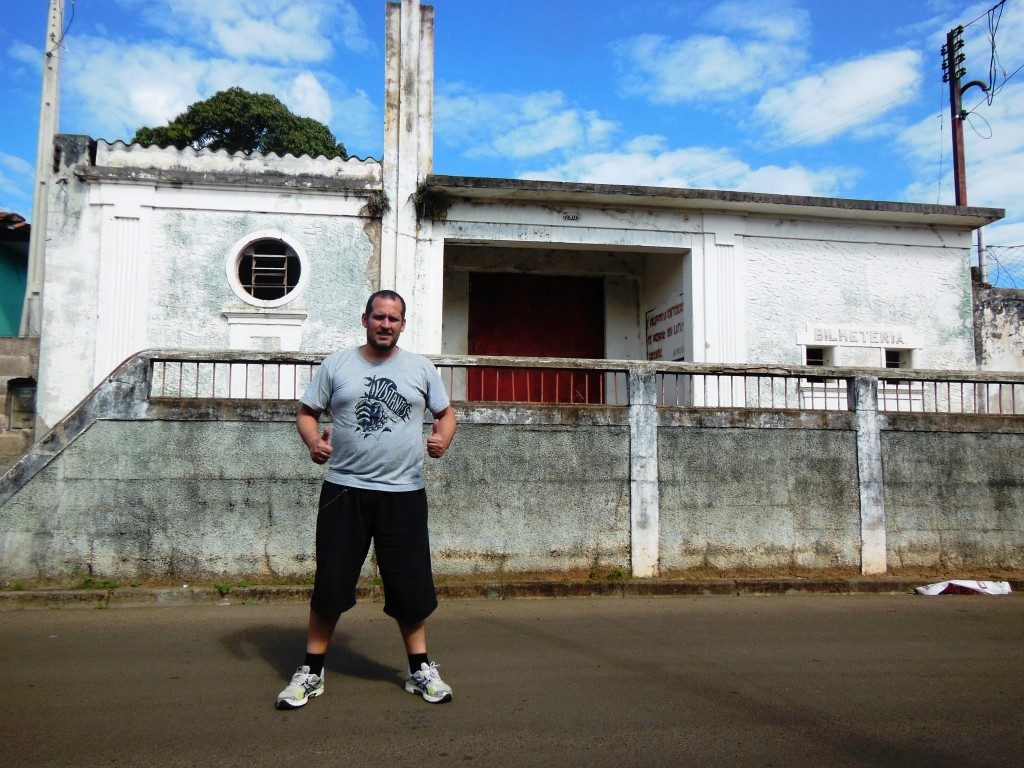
(863, 396)
(410, 262)
(643, 471)
(32, 310)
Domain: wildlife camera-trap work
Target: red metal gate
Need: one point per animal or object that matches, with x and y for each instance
(536, 316)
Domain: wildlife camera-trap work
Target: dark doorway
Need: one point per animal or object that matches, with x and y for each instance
(536, 316)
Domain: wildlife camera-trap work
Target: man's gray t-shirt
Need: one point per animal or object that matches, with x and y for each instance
(377, 434)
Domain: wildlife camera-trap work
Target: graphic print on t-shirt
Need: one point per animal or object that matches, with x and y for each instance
(380, 406)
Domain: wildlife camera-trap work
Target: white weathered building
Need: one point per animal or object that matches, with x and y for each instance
(151, 247)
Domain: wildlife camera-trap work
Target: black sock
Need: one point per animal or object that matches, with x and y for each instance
(415, 659)
(315, 662)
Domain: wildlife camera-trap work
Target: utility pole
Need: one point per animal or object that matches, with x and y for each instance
(32, 309)
(952, 72)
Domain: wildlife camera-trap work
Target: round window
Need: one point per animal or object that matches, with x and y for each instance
(269, 270)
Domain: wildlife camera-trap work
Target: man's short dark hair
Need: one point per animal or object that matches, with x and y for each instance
(390, 295)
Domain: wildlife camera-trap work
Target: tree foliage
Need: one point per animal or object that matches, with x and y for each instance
(239, 121)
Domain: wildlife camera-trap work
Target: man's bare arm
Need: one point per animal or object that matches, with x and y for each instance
(443, 433)
(307, 421)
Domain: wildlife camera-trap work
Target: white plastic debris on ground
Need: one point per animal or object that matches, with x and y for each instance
(965, 587)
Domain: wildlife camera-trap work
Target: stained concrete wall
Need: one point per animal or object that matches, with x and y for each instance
(196, 500)
(750, 499)
(131, 486)
(954, 500)
(999, 328)
(141, 242)
(188, 297)
(159, 499)
(531, 497)
(873, 276)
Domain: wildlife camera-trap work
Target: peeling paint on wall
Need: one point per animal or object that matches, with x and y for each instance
(999, 326)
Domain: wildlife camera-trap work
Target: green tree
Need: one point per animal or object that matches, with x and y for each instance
(239, 121)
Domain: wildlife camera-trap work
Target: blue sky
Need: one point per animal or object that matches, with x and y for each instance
(819, 97)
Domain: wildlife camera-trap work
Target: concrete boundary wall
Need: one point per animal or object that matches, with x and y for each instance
(128, 488)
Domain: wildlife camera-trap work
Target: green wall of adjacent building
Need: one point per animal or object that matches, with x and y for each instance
(13, 276)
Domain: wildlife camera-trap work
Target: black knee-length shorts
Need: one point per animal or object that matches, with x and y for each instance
(397, 522)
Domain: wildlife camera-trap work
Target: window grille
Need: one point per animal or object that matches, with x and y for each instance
(268, 270)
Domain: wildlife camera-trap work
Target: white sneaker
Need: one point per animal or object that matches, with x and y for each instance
(428, 684)
(303, 687)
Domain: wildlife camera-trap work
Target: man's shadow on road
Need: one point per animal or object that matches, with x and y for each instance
(281, 647)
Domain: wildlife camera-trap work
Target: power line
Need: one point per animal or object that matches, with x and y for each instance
(997, 89)
(994, 14)
(1009, 268)
(976, 131)
(998, 5)
(59, 42)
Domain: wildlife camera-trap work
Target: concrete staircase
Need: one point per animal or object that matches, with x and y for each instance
(19, 359)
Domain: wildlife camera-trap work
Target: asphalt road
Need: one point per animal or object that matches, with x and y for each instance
(827, 680)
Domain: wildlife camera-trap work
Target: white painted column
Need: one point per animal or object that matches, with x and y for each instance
(123, 316)
(717, 282)
(389, 170)
(428, 291)
(409, 255)
(643, 472)
(722, 285)
(864, 401)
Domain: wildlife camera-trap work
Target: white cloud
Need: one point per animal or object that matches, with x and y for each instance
(356, 120)
(764, 47)
(1007, 233)
(112, 88)
(645, 162)
(309, 98)
(842, 98)
(16, 176)
(26, 54)
(768, 19)
(702, 67)
(515, 125)
(16, 165)
(646, 143)
(281, 31)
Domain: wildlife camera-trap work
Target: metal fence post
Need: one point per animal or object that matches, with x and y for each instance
(643, 470)
(863, 396)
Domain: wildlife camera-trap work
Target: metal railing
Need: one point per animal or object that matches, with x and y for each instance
(240, 379)
(752, 390)
(284, 376)
(951, 395)
(546, 382)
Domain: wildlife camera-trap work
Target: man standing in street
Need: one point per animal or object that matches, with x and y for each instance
(377, 395)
